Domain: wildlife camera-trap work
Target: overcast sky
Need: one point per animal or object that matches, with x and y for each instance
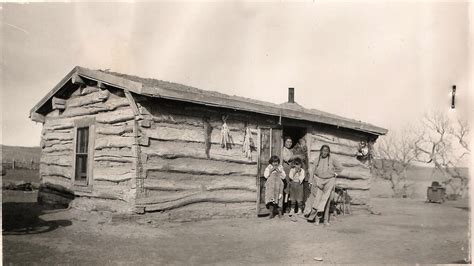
(382, 63)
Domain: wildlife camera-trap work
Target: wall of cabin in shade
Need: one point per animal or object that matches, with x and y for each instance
(112, 159)
(183, 162)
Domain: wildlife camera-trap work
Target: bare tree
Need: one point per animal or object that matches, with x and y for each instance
(444, 144)
(394, 154)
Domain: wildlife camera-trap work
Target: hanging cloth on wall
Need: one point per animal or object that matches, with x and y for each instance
(225, 134)
(247, 145)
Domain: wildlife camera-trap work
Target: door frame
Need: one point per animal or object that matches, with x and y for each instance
(263, 211)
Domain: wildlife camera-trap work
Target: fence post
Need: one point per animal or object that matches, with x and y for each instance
(13, 164)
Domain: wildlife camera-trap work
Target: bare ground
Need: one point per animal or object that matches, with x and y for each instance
(407, 231)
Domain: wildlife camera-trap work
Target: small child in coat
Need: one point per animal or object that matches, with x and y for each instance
(275, 175)
(296, 177)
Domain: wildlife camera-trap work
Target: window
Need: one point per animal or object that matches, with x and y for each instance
(83, 153)
(82, 148)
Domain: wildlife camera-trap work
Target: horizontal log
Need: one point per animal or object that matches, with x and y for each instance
(214, 196)
(232, 124)
(86, 110)
(89, 90)
(108, 192)
(335, 148)
(165, 181)
(110, 105)
(56, 180)
(58, 153)
(355, 173)
(57, 160)
(56, 170)
(58, 131)
(58, 136)
(172, 132)
(53, 125)
(106, 129)
(199, 166)
(50, 143)
(178, 149)
(91, 98)
(127, 152)
(178, 119)
(107, 164)
(113, 158)
(146, 123)
(37, 117)
(164, 115)
(58, 148)
(58, 103)
(113, 174)
(166, 131)
(353, 184)
(53, 114)
(236, 120)
(113, 142)
(76, 79)
(116, 116)
(337, 137)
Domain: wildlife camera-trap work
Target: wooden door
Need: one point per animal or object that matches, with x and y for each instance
(270, 140)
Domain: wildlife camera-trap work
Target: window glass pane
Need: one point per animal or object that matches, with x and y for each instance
(81, 167)
(82, 140)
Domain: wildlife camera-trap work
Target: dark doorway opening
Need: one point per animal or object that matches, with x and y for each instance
(295, 133)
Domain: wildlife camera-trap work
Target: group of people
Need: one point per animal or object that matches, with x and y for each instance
(288, 183)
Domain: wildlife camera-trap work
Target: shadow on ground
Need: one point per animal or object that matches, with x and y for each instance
(23, 218)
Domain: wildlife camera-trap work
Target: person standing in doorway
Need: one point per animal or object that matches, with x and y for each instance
(322, 184)
(287, 157)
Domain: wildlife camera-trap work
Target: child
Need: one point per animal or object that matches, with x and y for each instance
(275, 175)
(296, 177)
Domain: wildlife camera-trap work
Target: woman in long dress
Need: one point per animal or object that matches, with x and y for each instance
(286, 157)
(322, 184)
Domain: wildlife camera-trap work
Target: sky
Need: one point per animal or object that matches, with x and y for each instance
(383, 63)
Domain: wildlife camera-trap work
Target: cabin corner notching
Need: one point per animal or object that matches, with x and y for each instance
(148, 145)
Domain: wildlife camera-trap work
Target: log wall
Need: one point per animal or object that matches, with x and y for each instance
(113, 158)
(185, 165)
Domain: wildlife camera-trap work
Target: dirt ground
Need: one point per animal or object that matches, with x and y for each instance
(407, 231)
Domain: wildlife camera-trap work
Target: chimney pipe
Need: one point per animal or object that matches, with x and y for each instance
(291, 95)
(453, 95)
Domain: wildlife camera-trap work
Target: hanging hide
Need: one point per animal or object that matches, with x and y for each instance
(247, 145)
(225, 134)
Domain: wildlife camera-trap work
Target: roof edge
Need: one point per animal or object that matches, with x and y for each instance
(193, 97)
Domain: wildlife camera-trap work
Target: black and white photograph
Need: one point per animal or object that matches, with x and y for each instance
(236, 132)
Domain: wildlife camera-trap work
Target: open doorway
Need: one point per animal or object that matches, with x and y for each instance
(295, 133)
(298, 149)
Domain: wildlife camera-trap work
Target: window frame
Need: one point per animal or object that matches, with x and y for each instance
(78, 124)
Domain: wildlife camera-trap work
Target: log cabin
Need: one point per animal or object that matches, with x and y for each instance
(140, 145)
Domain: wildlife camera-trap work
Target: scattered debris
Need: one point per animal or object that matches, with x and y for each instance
(20, 185)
